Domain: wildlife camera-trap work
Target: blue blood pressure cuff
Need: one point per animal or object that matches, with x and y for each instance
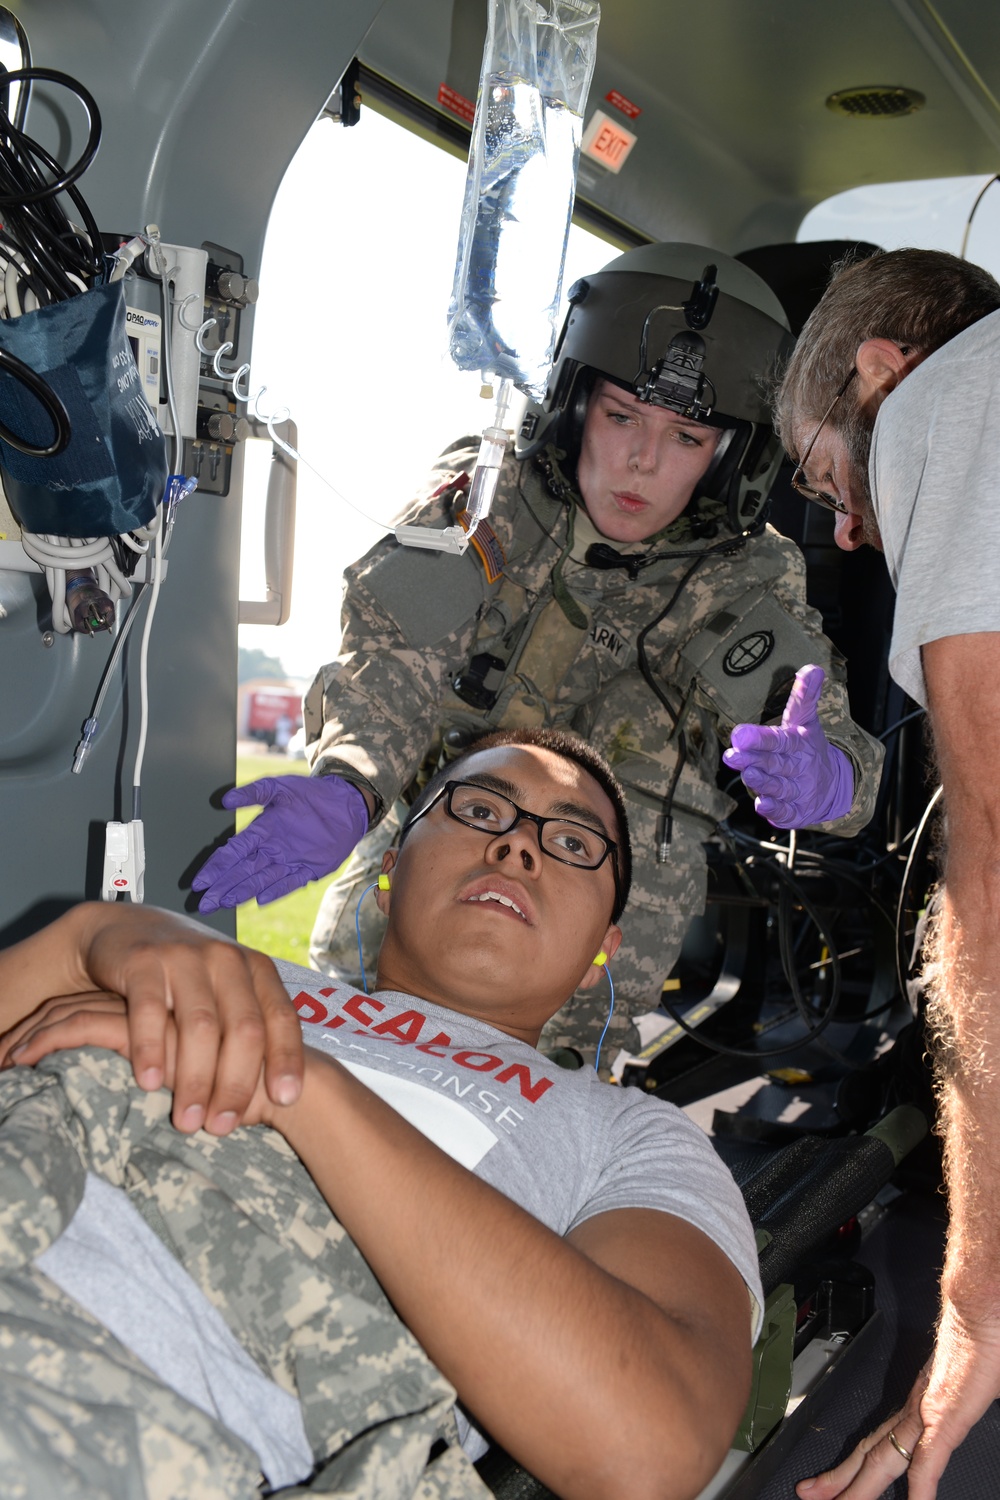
(111, 475)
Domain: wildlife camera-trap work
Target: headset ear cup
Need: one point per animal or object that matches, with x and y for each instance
(569, 427)
(745, 504)
(749, 498)
(717, 481)
(740, 476)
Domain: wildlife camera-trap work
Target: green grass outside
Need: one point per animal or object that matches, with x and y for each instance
(282, 927)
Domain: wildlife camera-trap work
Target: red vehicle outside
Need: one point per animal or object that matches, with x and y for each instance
(271, 714)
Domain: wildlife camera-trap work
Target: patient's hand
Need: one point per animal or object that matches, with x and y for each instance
(99, 1019)
(229, 1006)
(55, 1013)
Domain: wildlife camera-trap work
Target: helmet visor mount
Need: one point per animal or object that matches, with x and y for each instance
(678, 380)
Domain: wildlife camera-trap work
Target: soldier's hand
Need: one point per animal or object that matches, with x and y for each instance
(797, 777)
(308, 827)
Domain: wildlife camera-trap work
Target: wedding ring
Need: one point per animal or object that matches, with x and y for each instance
(894, 1440)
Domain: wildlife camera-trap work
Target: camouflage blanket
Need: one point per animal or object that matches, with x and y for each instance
(83, 1417)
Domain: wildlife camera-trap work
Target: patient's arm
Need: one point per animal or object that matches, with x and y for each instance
(615, 1361)
(231, 1009)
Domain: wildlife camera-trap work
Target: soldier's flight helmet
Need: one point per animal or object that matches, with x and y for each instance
(684, 327)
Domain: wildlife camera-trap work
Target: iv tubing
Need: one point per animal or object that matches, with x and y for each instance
(455, 539)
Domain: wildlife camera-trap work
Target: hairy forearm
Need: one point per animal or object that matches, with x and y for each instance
(964, 700)
(964, 1018)
(584, 1378)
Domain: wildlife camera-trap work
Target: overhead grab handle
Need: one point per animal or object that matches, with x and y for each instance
(279, 531)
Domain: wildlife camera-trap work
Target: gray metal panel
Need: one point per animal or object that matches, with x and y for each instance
(204, 105)
(735, 141)
(52, 820)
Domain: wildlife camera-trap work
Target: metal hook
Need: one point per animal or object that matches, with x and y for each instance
(222, 349)
(241, 373)
(180, 306)
(199, 337)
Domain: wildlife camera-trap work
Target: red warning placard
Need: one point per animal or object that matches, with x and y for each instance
(625, 105)
(450, 98)
(607, 142)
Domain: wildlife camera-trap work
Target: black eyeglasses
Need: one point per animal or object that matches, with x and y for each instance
(560, 838)
(798, 480)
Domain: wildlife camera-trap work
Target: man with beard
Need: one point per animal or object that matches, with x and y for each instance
(889, 404)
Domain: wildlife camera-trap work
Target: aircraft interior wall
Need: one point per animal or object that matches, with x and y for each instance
(202, 111)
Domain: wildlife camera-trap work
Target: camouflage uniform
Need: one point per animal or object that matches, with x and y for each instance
(83, 1417)
(563, 637)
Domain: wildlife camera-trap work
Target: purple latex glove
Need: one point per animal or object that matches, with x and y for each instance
(308, 827)
(796, 775)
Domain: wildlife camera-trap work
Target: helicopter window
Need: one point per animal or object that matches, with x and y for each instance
(932, 214)
(350, 334)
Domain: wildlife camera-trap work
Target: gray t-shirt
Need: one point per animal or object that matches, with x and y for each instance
(934, 464)
(110, 1261)
(561, 1144)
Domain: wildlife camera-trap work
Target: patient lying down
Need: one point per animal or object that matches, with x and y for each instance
(223, 1255)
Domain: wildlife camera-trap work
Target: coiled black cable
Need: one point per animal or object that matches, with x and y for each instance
(52, 246)
(11, 365)
(53, 257)
(814, 1027)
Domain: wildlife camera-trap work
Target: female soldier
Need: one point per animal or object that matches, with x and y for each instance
(624, 585)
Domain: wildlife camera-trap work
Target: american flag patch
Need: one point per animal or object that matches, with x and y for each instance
(486, 544)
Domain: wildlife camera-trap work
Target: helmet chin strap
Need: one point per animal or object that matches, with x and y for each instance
(726, 435)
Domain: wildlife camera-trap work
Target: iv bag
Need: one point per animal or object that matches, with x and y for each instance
(537, 67)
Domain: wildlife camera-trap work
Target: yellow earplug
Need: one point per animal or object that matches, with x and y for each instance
(384, 882)
(601, 958)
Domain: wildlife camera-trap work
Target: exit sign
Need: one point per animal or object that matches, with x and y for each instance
(607, 142)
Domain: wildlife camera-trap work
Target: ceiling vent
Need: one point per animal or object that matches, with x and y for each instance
(876, 101)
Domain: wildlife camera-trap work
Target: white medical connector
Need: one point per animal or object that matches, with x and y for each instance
(451, 539)
(484, 486)
(126, 256)
(83, 748)
(124, 861)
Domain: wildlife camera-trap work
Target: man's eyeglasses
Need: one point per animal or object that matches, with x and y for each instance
(798, 480)
(560, 838)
